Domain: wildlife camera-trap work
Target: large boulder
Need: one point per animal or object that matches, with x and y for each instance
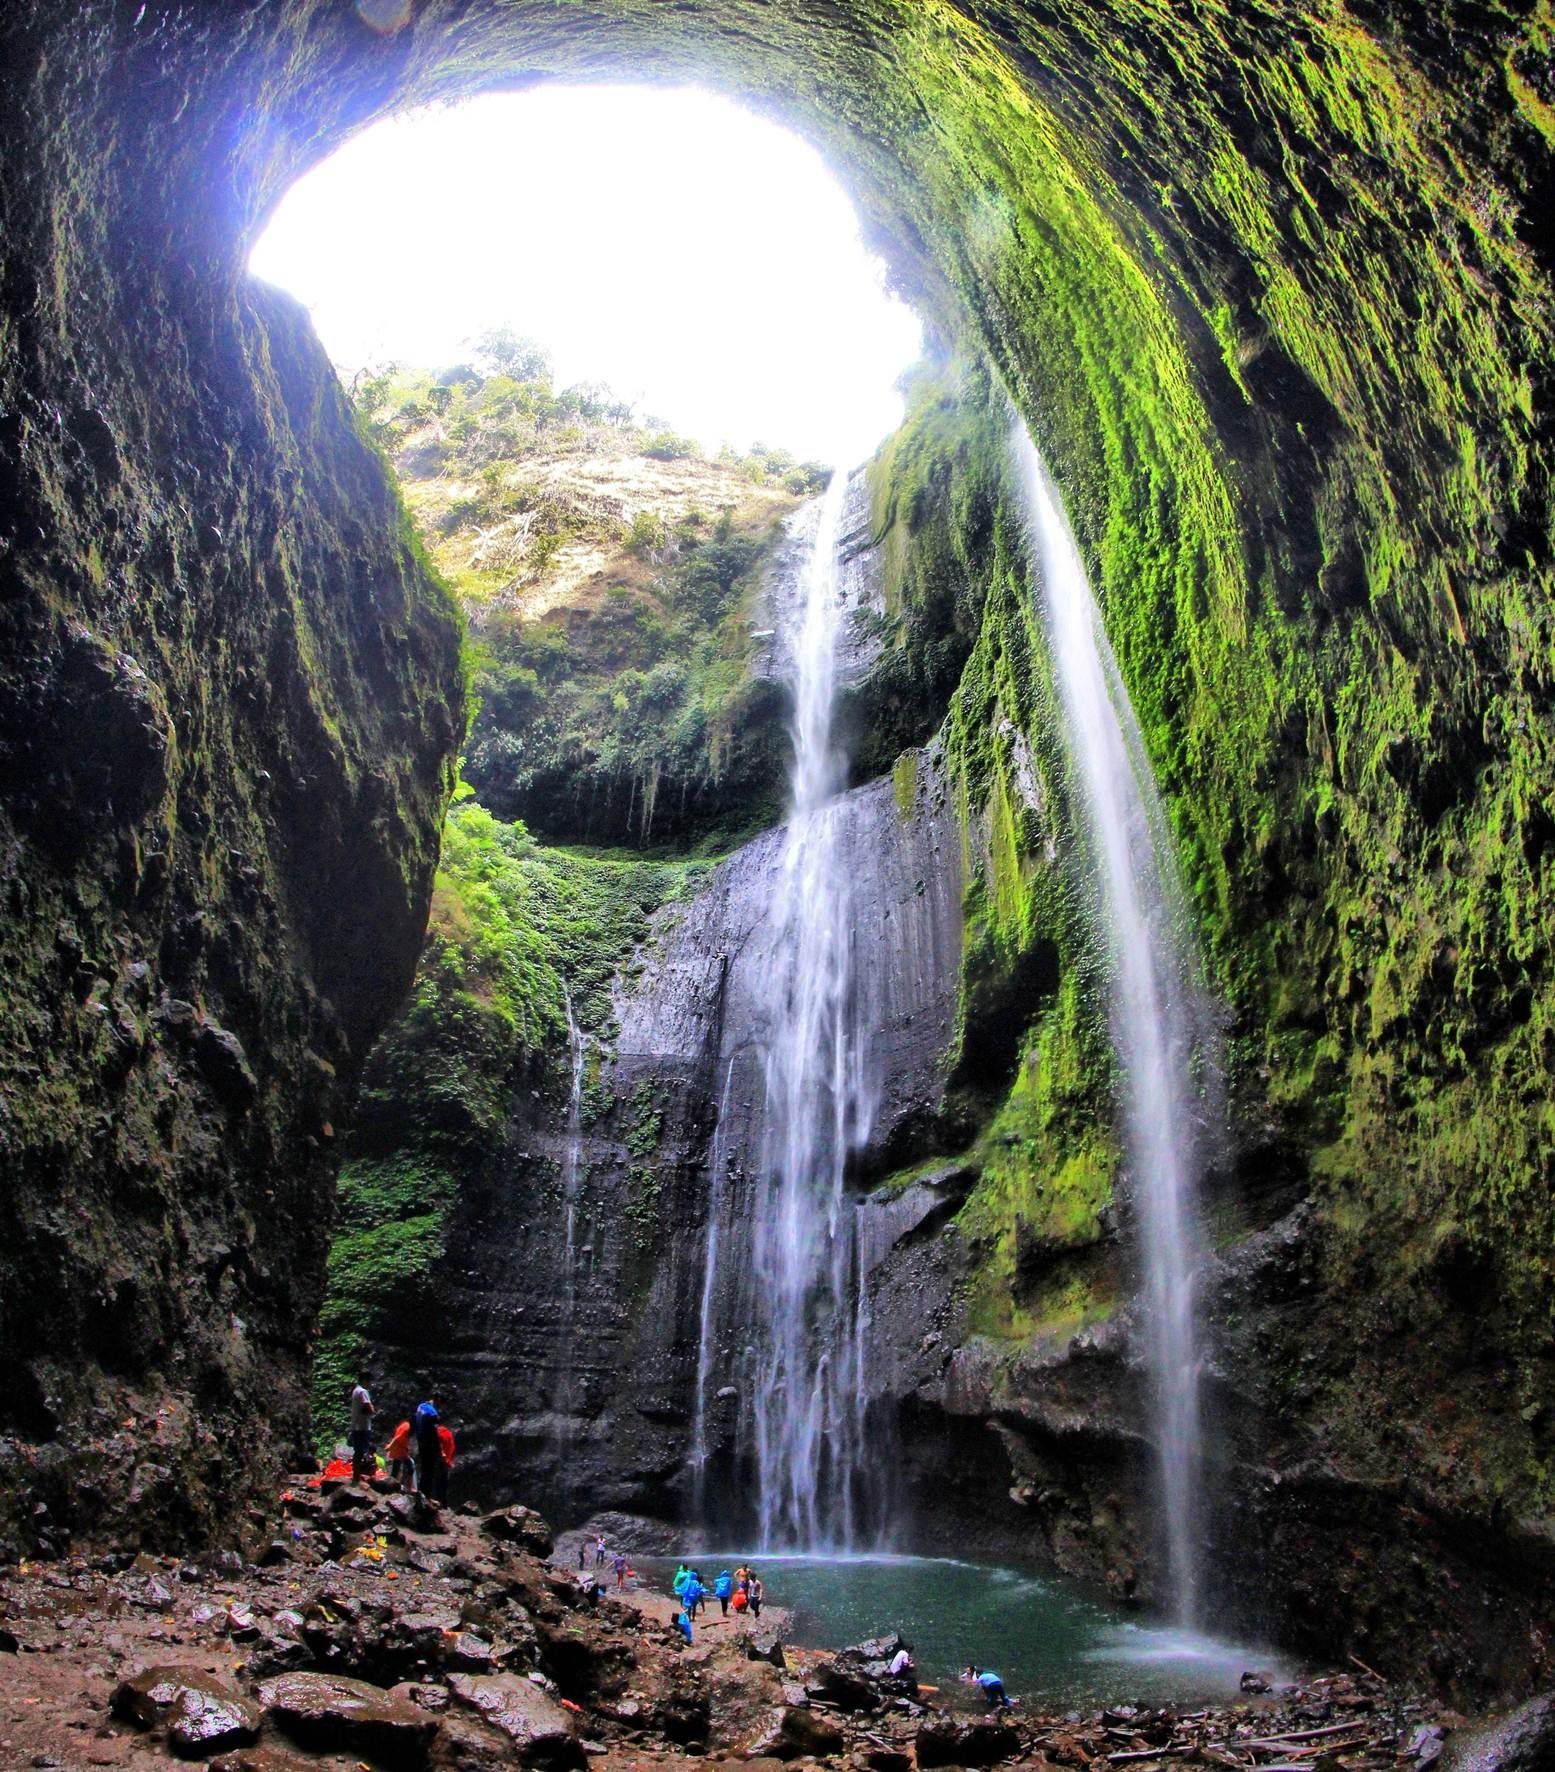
(521, 1526)
(842, 1685)
(201, 1712)
(330, 1711)
(958, 1741)
(539, 1728)
(1521, 1742)
(794, 1731)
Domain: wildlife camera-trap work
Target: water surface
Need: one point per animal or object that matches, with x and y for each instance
(1052, 1643)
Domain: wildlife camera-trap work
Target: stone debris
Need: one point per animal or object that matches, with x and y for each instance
(402, 1637)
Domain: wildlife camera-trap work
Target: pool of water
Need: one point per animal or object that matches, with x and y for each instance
(1049, 1640)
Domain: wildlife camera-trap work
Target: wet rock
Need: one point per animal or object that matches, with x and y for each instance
(521, 1526)
(201, 1713)
(330, 1711)
(842, 1685)
(872, 1649)
(794, 1731)
(539, 1728)
(1521, 1742)
(955, 1741)
(765, 1645)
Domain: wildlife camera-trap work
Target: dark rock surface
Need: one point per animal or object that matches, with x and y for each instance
(588, 1386)
(229, 696)
(201, 1713)
(330, 1711)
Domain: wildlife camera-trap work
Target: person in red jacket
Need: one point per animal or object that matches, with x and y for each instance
(445, 1440)
(400, 1455)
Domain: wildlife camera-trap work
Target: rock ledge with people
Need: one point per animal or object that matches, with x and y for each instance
(384, 1630)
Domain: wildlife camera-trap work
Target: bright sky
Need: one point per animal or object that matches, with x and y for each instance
(701, 261)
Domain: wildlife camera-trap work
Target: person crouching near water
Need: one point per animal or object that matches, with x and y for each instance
(902, 1675)
(399, 1454)
(992, 1687)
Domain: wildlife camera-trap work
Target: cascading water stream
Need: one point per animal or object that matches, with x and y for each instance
(808, 1380)
(706, 1339)
(566, 1399)
(1157, 1024)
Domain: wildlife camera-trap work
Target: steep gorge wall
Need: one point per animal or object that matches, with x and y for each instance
(229, 697)
(1272, 285)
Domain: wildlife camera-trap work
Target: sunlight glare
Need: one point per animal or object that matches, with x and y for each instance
(700, 260)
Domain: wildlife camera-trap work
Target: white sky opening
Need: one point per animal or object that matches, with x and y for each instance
(701, 261)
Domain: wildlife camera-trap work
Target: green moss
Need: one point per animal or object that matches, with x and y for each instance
(517, 930)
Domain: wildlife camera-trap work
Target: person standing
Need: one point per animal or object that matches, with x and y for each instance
(445, 1445)
(431, 1472)
(723, 1587)
(754, 1588)
(599, 1551)
(363, 1462)
(618, 1568)
(400, 1455)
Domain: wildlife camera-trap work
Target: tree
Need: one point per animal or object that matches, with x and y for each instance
(505, 352)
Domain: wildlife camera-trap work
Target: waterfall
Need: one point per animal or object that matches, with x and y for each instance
(1156, 1021)
(806, 1385)
(565, 1403)
(701, 1449)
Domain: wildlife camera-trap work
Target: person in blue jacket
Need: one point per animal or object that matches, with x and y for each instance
(723, 1587)
(431, 1471)
(682, 1623)
(992, 1685)
(695, 1595)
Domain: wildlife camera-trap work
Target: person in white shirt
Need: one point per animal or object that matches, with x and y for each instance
(362, 1460)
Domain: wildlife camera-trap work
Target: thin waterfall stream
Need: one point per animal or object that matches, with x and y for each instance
(808, 1383)
(1157, 1025)
(786, 1230)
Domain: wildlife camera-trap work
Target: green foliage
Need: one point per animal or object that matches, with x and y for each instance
(639, 716)
(516, 928)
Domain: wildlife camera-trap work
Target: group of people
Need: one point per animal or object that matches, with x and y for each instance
(420, 1451)
(742, 1590)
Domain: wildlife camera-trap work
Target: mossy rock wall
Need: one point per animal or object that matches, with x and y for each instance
(1270, 283)
(229, 697)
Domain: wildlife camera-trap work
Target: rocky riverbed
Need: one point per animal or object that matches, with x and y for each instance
(379, 1634)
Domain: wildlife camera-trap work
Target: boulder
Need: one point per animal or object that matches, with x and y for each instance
(330, 1711)
(765, 1645)
(1521, 1742)
(539, 1728)
(958, 1741)
(201, 1712)
(842, 1685)
(521, 1526)
(794, 1731)
(872, 1649)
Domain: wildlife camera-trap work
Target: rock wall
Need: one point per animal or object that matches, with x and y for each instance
(229, 697)
(573, 1368)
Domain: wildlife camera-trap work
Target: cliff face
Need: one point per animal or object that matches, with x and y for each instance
(565, 1318)
(229, 697)
(1272, 286)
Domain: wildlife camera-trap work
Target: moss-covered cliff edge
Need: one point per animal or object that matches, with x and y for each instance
(1271, 284)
